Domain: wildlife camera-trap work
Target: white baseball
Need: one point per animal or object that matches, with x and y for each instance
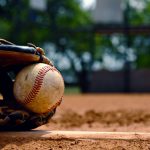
(39, 87)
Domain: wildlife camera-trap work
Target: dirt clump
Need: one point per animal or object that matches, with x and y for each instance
(119, 117)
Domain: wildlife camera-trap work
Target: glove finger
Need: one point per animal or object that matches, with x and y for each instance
(37, 120)
(50, 114)
(13, 120)
(18, 117)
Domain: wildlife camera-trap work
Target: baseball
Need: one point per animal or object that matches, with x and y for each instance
(39, 87)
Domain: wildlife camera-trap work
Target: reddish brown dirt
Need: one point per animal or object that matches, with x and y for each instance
(103, 112)
(35, 144)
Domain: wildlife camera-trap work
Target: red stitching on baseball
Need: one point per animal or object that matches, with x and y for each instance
(37, 84)
(54, 69)
(55, 105)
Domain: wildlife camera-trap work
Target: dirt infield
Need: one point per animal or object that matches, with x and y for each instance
(56, 140)
(103, 112)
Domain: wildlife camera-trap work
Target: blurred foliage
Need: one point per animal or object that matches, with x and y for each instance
(65, 24)
(139, 15)
(59, 24)
(132, 48)
(141, 43)
(22, 23)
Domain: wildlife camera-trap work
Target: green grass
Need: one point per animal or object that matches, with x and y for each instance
(72, 90)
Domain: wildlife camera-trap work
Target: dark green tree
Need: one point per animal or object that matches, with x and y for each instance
(134, 47)
(61, 24)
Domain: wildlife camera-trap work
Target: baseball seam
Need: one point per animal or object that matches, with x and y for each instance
(37, 84)
(55, 105)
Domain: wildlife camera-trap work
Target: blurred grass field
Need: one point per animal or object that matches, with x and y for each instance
(72, 90)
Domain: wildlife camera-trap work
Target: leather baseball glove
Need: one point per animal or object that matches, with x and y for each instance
(12, 59)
